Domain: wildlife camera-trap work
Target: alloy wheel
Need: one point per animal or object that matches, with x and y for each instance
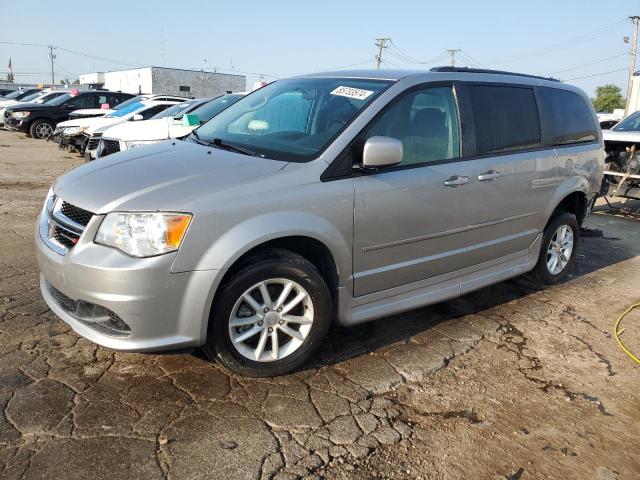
(560, 249)
(44, 130)
(271, 320)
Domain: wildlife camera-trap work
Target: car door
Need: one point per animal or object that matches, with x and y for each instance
(506, 151)
(63, 111)
(411, 220)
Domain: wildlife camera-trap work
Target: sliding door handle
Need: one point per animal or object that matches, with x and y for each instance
(456, 180)
(490, 175)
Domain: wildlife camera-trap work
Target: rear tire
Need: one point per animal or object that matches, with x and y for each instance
(558, 250)
(41, 129)
(245, 329)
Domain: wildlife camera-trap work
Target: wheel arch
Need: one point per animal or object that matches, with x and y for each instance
(309, 235)
(572, 196)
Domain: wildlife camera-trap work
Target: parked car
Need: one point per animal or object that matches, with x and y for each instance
(622, 147)
(38, 97)
(6, 91)
(86, 135)
(163, 127)
(345, 197)
(17, 95)
(105, 109)
(39, 121)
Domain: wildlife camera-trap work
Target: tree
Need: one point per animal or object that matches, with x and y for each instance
(608, 97)
(10, 77)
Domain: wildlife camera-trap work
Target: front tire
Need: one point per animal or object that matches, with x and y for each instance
(270, 316)
(558, 250)
(41, 129)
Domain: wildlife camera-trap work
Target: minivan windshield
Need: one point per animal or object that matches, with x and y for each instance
(629, 124)
(291, 120)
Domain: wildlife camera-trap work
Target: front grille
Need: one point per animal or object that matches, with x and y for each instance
(64, 237)
(91, 314)
(93, 142)
(76, 214)
(109, 146)
(62, 224)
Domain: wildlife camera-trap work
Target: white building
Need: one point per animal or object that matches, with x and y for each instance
(170, 81)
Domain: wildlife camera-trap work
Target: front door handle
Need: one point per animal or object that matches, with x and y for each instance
(490, 175)
(456, 180)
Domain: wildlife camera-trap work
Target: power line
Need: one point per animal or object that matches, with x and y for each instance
(588, 64)
(469, 58)
(453, 52)
(381, 43)
(594, 75)
(585, 37)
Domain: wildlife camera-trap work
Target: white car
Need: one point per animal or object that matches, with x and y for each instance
(37, 97)
(89, 130)
(622, 147)
(175, 124)
(98, 112)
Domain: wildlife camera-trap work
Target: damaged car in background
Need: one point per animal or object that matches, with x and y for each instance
(175, 122)
(83, 135)
(622, 147)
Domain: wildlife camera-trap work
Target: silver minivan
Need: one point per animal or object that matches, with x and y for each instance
(338, 197)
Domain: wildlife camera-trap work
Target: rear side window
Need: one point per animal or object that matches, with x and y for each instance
(566, 117)
(505, 118)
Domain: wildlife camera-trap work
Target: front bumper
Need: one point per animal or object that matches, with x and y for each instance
(16, 125)
(163, 310)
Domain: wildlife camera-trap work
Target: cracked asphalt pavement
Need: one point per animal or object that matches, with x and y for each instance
(507, 382)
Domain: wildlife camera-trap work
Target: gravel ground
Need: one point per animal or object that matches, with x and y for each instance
(507, 382)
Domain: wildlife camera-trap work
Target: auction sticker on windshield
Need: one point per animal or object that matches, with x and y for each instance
(350, 92)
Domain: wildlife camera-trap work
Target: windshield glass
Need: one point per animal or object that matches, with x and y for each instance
(292, 120)
(176, 110)
(126, 110)
(210, 109)
(128, 102)
(32, 97)
(629, 124)
(48, 97)
(13, 95)
(61, 99)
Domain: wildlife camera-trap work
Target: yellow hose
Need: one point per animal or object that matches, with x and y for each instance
(619, 332)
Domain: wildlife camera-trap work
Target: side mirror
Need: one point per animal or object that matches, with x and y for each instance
(382, 152)
(137, 117)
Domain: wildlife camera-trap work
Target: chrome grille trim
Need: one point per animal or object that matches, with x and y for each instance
(56, 226)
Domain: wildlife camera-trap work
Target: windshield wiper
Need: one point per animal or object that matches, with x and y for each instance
(197, 139)
(234, 148)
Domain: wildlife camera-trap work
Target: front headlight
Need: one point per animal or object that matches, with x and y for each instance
(20, 114)
(140, 143)
(143, 234)
(71, 130)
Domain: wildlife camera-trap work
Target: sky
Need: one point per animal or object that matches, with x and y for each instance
(565, 38)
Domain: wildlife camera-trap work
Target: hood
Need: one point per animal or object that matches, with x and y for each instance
(166, 176)
(89, 124)
(158, 129)
(83, 112)
(615, 136)
(6, 103)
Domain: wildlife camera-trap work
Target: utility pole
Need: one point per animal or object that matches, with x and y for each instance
(452, 52)
(51, 57)
(632, 66)
(381, 43)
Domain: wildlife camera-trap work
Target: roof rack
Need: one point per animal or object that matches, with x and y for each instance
(485, 70)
